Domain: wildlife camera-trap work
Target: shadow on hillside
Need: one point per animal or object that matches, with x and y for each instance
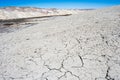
(11, 25)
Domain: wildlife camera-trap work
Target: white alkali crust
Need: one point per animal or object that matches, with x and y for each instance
(84, 46)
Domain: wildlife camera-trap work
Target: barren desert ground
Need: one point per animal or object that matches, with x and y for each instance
(82, 46)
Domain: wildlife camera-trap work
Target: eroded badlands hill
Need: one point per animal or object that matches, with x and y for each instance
(84, 46)
(26, 12)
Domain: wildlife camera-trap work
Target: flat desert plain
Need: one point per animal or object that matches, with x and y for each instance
(82, 46)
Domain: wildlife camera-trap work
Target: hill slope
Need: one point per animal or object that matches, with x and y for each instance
(26, 12)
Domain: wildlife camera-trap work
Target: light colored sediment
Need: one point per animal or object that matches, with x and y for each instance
(84, 46)
(26, 12)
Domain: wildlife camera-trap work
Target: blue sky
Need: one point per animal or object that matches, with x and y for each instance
(60, 3)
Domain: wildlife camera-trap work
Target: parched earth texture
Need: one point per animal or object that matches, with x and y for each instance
(84, 46)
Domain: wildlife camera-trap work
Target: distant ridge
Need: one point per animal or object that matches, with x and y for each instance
(26, 12)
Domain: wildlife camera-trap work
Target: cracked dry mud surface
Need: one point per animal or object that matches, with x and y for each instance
(85, 46)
